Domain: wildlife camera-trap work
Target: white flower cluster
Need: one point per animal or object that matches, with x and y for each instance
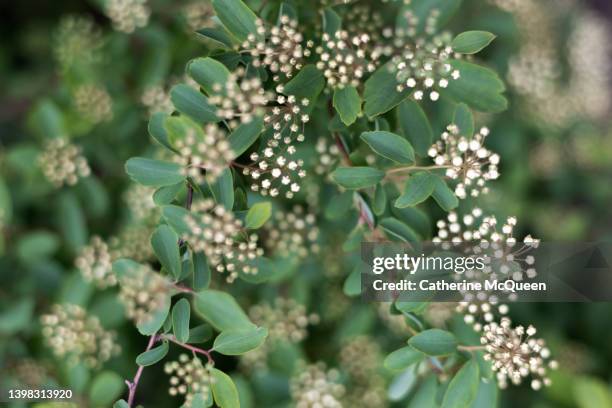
(198, 15)
(314, 387)
(216, 232)
(133, 242)
(74, 335)
(240, 99)
(77, 41)
(466, 159)
(515, 354)
(286, 319)
(128, 15)
(204, 157)
(156, 99)
(143, 293)
(139, 200)
(278, 48)
(292, 233)
(478, 234)
(328, 156)
(474, 314)
(189, 378)
(62, 163)
(95, 263)
(344, 59)
(94, 103)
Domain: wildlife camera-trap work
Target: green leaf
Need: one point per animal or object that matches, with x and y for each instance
(158, 131)
(16, 316)
(36, 245)
(464, 120)
(488, 394)
(357, 177)
(390, 146)
(153, 173)
(180, 320)
(258, 214)
(380, 200)
(591, 392)
(219, 36)
(415, 126)
(221, 310)
(308, 83)
(402, 358)
(223, 189)
(444, 196)
(380, 93)
(105, 388)
(208, 72)
(398, 230)
(151, 326)
(471, 42)
(236, 342)
(237, 17)
(201, 271)
(224, 390)
(434, 342)
(175, 216)
(352, 284)
(192, 103)
(332, 22)
(423, 9)
(152, 356)
(245, 135)
(71, 221)
(463, 388)
(200, 334)
(121, 404)
(479, 87)
(402, 384)
(425, 396)
(166, 194)
(347, 103)
(165, 245)
(418, 187)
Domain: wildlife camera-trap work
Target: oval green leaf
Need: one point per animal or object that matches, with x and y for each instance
(463, 388)
(471, 42)
(221, 310)
(390, 146)
(403, 358)
(357, 177)
(434, 342)
(347, 103)
(181, 313)
(257, 215)
(152, 356)
(418, 187)
(153, 173)
(165, 245)
(224, 390)
(236, 342)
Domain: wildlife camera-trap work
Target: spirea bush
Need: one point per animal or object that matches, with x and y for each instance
(211, 169)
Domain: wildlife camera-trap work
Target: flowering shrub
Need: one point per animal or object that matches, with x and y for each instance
(214, 255)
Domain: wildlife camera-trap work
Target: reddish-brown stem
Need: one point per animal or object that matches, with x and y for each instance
(132, 385)
(190, 347)
(183, 289)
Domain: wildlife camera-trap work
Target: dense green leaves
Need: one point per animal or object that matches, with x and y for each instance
(478, 87)
(403, 358)
(347, 103)
(471, 42)
(165, 244)
(357, 177)
(208, 72)
(390, 146)
(418, 187)
(308, 83)
(444, 196)
(245, 135)
(463, 388)
(181, 313)
(152, 356)
(237, 17)
(258, 214)
(224, 390)
(221, 310)
(236, 342)
(153, 173)
(415, 126)
(105, 388)
(434, 342)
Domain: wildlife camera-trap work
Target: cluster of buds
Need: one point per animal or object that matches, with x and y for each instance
(278, 48)
(286, 320)
(438, 313)
(77, 41)
(515, 354)
(128, 15)
(133, 242)
(273, 172)
(143, 292)
(474, 314)
(466, 159)
(198, 14)
(28, 372)
(189, 378)
(139, 200)
(293, 233)
(156, 99)
(204, 156)
(328, 155)
(363, 18)
(62, 163)
(344, 59)
(216, 232)
(94, 103)
(74, 335)
(476, 234)
(95, 263)
(314, 386)
(360, 357)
